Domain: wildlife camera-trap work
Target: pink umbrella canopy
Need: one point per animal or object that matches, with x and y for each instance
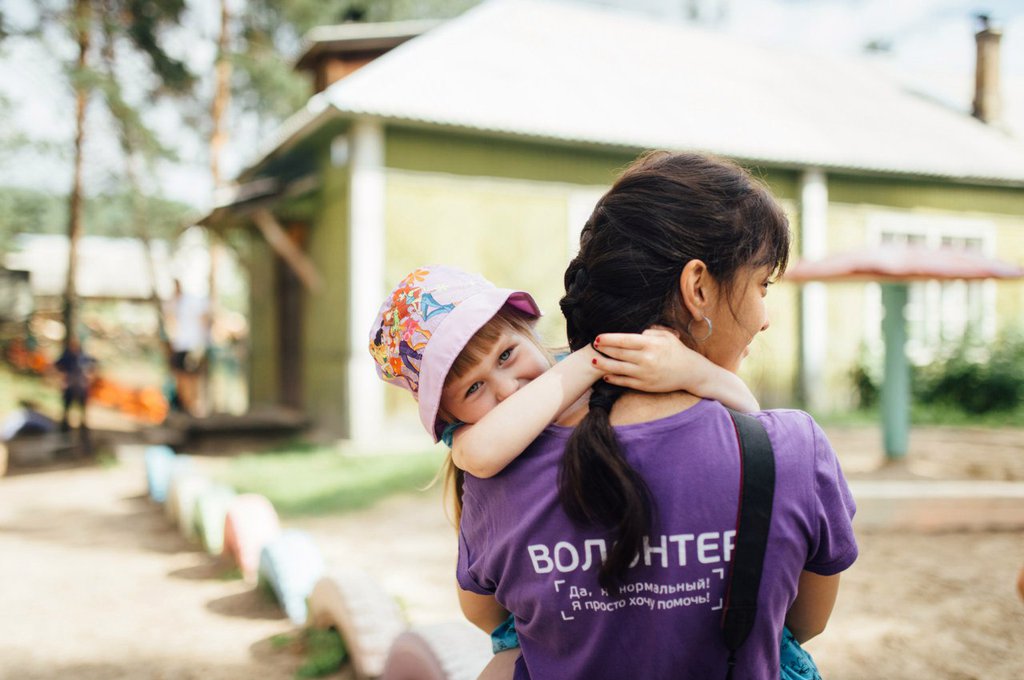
(896, 263)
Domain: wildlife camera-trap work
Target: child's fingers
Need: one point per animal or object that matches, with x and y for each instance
(612, 366)
(633, 356)
(620, 340)
(662, 330)
(622, 381)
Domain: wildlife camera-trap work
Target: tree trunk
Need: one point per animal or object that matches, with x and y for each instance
(218, 137)
(83, 17)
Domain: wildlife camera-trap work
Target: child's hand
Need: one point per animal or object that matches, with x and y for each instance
(653, 361)
(657, 361)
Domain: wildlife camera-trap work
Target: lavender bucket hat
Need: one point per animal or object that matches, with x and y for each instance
(425, 323)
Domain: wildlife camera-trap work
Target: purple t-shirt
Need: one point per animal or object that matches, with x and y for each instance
(517, 543)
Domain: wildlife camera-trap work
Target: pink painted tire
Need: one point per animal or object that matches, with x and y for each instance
(367, 618)
(453, 650)
(250, 523)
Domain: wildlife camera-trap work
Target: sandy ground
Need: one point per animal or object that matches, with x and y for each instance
(97, 584)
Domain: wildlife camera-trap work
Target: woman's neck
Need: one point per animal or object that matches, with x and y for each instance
(634, 407)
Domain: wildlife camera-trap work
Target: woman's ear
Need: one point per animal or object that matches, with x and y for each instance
(695, 288)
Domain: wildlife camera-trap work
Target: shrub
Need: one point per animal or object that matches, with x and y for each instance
(969, 378)
(975, 384)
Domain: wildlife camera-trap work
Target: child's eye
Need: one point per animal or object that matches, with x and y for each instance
(505, 355)
(473, 388)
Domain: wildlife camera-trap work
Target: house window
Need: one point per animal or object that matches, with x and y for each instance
(940, 314)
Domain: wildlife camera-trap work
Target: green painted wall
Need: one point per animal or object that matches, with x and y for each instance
(771, 368)
(326, 323)
(1010, 294)
(910, 194)
(264, 388)
(503, 207)
(465, 154)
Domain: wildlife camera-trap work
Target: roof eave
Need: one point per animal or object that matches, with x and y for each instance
(293, 130)
(795, 165)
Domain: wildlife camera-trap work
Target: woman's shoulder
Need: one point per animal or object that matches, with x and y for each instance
(796, 438)
(793, 425)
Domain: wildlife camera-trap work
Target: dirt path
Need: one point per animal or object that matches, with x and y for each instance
(95, 583)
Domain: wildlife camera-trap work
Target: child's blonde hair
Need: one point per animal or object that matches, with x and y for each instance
(508, 319)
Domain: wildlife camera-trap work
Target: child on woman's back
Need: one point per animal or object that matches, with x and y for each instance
(485, 384)
(465, 349)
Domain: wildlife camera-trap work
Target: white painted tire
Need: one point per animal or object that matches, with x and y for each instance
(367, 618)
(453, 650)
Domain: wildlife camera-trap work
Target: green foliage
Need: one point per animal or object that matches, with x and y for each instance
(143, 21)
(969, 380)
(232, 574)
(15, 387)
(325, 652)
(37, 212)
(107, 460)
(281, 641)
(304, 480)
(864, 386)
(993, 381)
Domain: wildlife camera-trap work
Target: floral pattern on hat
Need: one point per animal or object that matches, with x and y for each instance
(398, 345)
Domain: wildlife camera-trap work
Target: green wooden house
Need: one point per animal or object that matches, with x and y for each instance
(485, 141)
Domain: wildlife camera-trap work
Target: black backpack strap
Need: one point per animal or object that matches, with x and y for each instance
(754, 517)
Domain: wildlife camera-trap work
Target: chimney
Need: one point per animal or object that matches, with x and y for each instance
(988, 100)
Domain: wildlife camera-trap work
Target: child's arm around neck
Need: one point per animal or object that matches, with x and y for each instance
(484, 448)
(654, 361)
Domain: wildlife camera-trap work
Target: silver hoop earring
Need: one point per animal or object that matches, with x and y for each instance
(706, 335)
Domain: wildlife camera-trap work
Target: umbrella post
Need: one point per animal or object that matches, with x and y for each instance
(896, 381)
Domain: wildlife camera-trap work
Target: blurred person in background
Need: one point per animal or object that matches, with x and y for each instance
(77, 370)
(190, 340)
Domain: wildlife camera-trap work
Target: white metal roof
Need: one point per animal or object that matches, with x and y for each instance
(569, 72)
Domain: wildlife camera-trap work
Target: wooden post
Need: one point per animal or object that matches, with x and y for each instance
(289, 252)
(896, 381)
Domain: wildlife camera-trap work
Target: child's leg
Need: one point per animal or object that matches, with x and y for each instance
(502, 666)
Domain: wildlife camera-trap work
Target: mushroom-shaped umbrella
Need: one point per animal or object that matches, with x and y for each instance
(895, 266)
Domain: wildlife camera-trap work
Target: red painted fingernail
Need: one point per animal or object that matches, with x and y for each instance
(594, 361)
(597, 340)
(606, 378)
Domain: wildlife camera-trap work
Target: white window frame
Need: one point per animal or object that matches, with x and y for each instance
(933, 228)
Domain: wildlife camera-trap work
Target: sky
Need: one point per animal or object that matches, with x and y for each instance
(930, 46)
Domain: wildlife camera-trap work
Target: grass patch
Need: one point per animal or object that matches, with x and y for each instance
(925, 414)
(325, 652)
(310, 480)
(17, 386)
(107, 460)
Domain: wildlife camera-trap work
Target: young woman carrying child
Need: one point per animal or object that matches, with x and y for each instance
(468, 352)
(486, 385)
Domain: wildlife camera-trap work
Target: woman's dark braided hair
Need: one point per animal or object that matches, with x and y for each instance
(665, 210)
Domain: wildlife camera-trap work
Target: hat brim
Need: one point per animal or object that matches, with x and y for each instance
(452, 336)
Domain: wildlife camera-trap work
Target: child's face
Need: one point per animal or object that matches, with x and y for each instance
(513, 361)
